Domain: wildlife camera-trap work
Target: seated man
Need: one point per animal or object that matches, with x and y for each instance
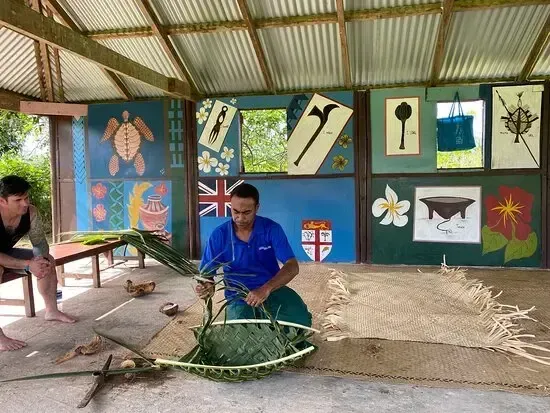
(18, 218)
(249, 246)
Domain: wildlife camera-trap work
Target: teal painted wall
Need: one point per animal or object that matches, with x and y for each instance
(395, 245)
(427, 160)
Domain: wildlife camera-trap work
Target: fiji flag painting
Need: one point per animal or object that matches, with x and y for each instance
(215, 196)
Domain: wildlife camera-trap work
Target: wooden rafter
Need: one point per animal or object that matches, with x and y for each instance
(243, 6)
(45, 69)
(444, 26)
(540, 45)
(23, 20)
(344, 43)
(350, 15)
(165, 42)
(67, 20)
(11, 100)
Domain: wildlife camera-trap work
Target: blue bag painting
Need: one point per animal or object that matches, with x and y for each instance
(455, 133)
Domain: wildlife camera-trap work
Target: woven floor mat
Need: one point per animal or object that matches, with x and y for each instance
(402, 361)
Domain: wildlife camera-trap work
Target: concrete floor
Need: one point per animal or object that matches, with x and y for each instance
(137, 320)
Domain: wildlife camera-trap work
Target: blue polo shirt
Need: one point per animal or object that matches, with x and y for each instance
(251, 263)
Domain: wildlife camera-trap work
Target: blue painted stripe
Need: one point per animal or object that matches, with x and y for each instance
(80, 175)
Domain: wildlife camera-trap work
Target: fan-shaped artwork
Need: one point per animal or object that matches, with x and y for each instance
(516, 126)
(126, 139)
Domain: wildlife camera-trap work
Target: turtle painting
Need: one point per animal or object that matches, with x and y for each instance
(127, 141)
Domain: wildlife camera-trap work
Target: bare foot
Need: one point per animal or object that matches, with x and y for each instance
(9, 344)
(57, 315)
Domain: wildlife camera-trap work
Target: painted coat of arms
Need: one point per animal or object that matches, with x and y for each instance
(317, 238)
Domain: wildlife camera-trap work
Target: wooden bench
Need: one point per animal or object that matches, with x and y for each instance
(28, 293)
(65, 253)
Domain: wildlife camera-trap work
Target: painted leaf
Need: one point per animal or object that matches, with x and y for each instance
(517, 249)
(492, 241)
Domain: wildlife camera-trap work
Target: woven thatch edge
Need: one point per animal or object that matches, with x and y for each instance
(500, 320)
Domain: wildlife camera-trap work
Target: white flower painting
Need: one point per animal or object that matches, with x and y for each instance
(227, 154)
(223, 169)
(206, 163)
(201, 115)
(395, 210)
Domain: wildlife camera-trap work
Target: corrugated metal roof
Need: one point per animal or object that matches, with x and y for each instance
(221, 62)
(196, 11)
(93, 15)
(83, 80)
(378, 4)
(18, 64)
(303, 56)
(542, 68)
(487, 44)
(139, 89)
(144, 50)
(261, 9)
(391, 51)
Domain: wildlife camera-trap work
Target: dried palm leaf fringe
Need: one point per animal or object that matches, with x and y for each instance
(500, 320)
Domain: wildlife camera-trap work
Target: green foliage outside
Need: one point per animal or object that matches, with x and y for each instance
(264, 141)
(36, 171)
(460, 159)
(15, 128)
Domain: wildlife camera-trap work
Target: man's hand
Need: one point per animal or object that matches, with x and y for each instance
(39, 267)
(256, 297)
(205, 289)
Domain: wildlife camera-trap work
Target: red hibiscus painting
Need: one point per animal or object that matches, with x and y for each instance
(509, 224)
(99, 190)
(510, 213)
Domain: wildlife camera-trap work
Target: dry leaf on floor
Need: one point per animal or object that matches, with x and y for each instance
(91, 348)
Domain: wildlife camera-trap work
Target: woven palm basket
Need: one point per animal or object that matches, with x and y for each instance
(240, 350)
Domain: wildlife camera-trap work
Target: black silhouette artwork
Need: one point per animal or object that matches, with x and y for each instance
(403, 112)
(446, 207)
(518, 122)
(216, 129)
(323, 116)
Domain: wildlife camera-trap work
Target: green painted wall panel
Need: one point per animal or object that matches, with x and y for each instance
(427, 160)
(394, 245)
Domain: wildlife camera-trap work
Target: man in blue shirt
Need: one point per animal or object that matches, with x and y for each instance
(250, 247)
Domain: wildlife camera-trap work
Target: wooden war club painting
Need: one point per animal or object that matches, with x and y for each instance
(402, 126)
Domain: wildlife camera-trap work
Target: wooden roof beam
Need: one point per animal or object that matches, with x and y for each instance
(67, 20)
(444, 26)
(349, 16)
(11, 100)
(343, 43)
(165, 42)
(45, 68)
(243, 6)
(538, 48)
(22, 19)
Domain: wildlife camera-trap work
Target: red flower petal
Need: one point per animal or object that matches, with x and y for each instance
(522, 231)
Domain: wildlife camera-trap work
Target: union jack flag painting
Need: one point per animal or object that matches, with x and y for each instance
(215, 196)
